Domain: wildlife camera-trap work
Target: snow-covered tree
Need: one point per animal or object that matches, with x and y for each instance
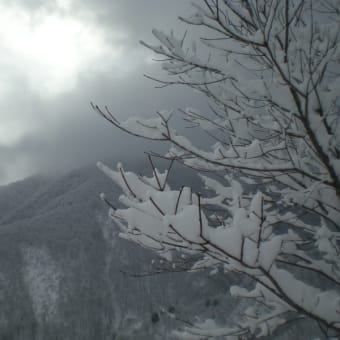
(271, 207)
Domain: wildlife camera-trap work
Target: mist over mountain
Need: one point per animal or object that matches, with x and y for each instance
(62, 267)
(65, 273)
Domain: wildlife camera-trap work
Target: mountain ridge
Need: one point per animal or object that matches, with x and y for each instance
(62, 227)
(65, 274)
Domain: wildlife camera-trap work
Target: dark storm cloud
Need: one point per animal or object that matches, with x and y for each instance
(78, 136)
(65, 132)
(138, 18)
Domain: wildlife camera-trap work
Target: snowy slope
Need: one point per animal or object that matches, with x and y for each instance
(63, 269)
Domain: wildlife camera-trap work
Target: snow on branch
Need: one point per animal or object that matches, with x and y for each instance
(270, 207)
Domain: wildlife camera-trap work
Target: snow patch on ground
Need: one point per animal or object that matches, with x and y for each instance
(42, 277)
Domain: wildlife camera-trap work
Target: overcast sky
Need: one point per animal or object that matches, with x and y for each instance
(58, 55)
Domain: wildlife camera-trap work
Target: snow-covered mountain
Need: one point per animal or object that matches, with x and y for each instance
(65, 273)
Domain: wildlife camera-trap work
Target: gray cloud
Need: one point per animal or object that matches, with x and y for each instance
(61, 132)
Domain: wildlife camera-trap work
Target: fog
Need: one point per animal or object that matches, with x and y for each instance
(57, 57)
